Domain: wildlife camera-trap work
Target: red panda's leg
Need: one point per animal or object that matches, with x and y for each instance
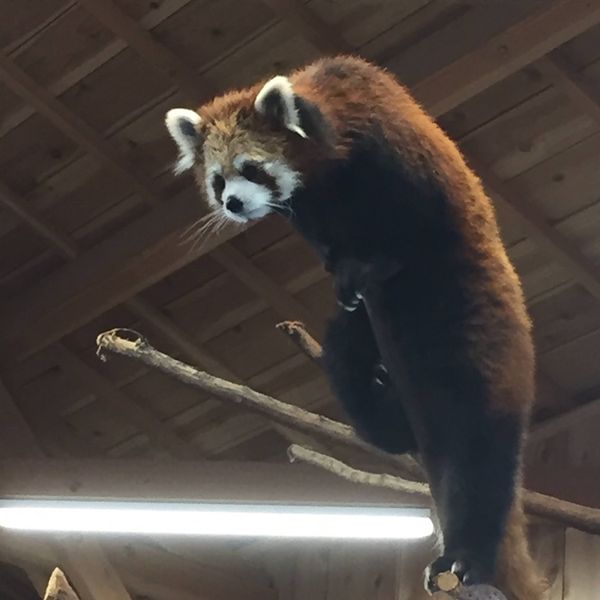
(352, 362)
(473, 475)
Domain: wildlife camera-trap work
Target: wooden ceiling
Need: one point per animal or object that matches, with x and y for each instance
(93, 223)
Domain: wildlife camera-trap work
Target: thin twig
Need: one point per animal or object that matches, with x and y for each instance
(341, 469)
(296, 331)
(130, 343)
(135, 346)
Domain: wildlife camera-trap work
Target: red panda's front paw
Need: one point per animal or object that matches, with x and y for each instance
(350, 279)
(353, 277)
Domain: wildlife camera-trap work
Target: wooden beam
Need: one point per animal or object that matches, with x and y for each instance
(182, 341)
(90, 566)
(250, 275)
(92, 574)
(64, 246)
(572, 84)
(72, 77)
(116, 399)
(103, 278)
(72, 125)
(136, 257)
(323, 36)
(507, 52)
(16, 437)
(540, 231)
(201, 481)
(195, 86)
(122, 404)
(549, 427)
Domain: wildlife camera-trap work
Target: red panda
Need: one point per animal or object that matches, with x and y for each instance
(342, 151)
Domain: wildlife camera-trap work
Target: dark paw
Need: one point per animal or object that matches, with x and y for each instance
(467, 571)
(381, 375)
(350, 279)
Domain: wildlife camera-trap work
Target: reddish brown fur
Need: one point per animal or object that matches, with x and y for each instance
(230, 126)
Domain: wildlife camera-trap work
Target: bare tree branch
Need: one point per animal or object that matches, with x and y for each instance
(132, 344)
(135, 346)
(341, 469)
(296, 331)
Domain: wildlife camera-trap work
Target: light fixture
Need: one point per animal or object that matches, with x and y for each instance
(244, 520)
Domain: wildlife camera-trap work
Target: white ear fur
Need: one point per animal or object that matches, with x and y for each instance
(280, 89)
(182, 123)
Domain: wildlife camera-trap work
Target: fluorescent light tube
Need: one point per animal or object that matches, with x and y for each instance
(244, 520)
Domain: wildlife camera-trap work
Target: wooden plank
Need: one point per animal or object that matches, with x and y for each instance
(573, 84)
(192, 350)
(88, 567)
(566, 420)
(92, 574)
(412, 559)
(16, 438)
(323, 36)
(582, 565)
(201, 481)
(209, 581)
(543, 234)
(135, 258)
(283, 302)
(61, 242)
(65, 120)
(507, 52)
(73, 76)
(107, 12)
(119, 402)
(140, 273)
(548, 550)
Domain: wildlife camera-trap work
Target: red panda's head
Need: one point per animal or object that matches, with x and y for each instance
(249, 149)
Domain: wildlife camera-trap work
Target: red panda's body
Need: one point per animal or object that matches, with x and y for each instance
(389, 203)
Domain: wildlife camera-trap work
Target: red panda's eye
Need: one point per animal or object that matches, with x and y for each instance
(251, 172)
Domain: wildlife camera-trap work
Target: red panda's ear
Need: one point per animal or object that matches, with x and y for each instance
(182, 124)
(276, 102)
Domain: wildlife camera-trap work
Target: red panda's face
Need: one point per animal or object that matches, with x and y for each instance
(239, 157)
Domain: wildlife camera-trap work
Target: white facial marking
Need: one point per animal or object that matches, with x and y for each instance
(211, 170)
(182, 124)
(287, 179)
(257, 199)
(282, 88)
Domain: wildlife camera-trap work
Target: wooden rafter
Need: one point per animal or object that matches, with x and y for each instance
(507, 52)
(164, 254)
(200, 481)
(130, 409)
(87, 566)
(73, 76)
(196, 87)
(324, 37)
(572, 83)
(72, 125)
(123, 404)
(64, 246)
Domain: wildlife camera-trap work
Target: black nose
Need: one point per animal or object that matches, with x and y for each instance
(234, 204)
